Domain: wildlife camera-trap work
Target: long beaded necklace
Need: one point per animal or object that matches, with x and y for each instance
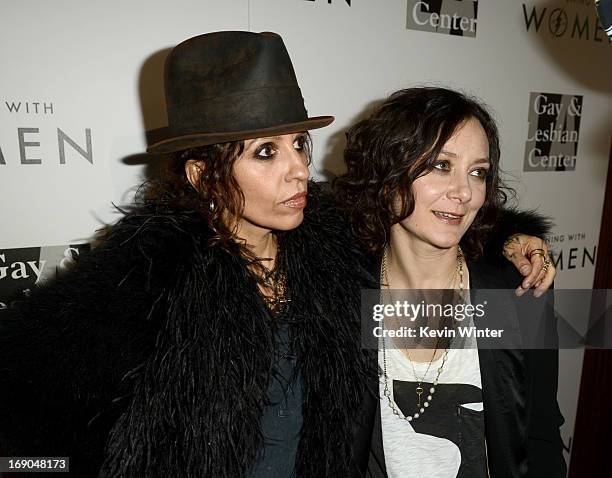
(384, 279)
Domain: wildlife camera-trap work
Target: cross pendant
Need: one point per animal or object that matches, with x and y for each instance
(419, 391)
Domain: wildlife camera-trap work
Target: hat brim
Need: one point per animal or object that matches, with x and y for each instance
(178, 143)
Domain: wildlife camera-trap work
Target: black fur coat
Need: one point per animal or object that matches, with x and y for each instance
(153, 357)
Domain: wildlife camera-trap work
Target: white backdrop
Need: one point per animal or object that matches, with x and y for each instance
(75, 68)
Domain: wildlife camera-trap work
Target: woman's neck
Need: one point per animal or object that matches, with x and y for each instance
(261, 242)
(414, 264)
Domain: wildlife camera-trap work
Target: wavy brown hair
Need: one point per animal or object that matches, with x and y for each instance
(400, 142)
(216, 196)
(216, 192)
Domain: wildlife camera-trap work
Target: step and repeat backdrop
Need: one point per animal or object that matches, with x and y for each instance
(81, 95)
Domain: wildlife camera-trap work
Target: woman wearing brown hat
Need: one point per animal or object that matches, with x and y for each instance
(215, 330)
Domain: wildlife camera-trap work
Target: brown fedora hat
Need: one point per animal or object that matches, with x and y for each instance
(227, 86)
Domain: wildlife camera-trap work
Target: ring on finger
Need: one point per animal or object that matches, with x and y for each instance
(536, 252)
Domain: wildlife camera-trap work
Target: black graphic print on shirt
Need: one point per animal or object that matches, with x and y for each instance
(446, 418)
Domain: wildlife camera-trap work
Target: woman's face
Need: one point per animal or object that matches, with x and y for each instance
(273, 175)
(448, 197)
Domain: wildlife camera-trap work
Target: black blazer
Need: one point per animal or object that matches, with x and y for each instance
(522, 417)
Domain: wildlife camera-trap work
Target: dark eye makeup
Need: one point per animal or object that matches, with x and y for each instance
(267, 150)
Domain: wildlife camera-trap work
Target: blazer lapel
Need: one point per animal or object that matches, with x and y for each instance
(503, 384)
(503, 378)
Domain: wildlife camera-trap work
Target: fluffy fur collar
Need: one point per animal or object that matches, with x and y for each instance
(196, 400)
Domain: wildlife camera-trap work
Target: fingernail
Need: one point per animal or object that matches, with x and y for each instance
(519, 292)
(527, 285)
(538, 293)
(525, 270)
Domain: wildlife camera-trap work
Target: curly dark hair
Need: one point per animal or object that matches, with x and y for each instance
(400, 142)
(216, 193)
(216, 196)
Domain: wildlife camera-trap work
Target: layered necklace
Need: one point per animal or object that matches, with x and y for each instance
(275, 280)
(421, 407)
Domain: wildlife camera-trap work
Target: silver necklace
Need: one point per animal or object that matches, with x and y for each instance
(384, 279)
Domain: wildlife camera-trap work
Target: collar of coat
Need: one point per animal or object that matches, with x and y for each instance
(197, 399)
(504, 387)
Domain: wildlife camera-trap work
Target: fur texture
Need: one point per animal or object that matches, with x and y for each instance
(157, 351)
(512, 221)
(153, 357)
